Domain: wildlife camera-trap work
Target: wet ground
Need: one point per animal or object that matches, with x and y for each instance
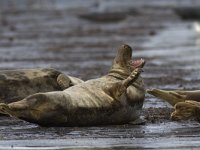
(65, 35)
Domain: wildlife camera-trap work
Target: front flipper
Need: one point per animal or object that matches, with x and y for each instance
(171, 97)
(186, 110)
(119, 88)
(65, 81)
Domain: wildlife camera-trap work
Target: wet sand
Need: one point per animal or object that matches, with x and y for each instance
(52, 34)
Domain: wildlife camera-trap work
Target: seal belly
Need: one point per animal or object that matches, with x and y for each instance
(93, 106)
(136, 94)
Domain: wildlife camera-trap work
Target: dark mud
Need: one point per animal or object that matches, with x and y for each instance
(52, 34)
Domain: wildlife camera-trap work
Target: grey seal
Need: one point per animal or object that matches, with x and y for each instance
(186, 103)
(18, 84)
(116, 98)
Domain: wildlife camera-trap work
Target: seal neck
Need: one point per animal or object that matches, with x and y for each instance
(118, 74)
(121, 75)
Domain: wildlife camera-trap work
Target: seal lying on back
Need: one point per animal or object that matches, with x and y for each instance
(186, 103)
(18, 84)
(115, 98)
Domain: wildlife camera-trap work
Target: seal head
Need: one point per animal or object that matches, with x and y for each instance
(123, 63)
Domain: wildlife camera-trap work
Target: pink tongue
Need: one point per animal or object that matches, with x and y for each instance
(137, 63)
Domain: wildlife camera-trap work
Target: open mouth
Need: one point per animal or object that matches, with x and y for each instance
(137, 63)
